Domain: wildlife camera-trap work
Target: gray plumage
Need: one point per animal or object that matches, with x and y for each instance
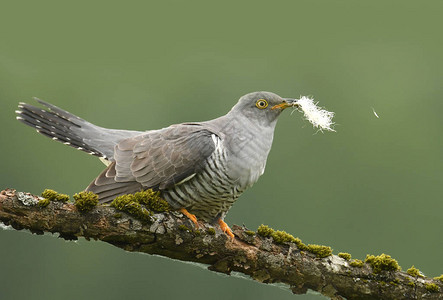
(202, 166)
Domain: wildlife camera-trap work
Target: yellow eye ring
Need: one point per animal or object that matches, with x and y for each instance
(261, 103)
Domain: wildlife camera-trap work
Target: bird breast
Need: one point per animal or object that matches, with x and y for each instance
(247, 155)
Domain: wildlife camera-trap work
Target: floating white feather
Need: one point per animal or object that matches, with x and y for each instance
(317, 116)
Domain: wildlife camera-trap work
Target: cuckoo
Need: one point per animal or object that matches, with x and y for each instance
(200, 168)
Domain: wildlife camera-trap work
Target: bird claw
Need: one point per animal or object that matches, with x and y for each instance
(191, 217)
(225, 228)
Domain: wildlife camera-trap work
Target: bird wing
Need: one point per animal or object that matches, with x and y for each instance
(157, 159)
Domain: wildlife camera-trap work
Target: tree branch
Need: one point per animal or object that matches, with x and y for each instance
(173, 235)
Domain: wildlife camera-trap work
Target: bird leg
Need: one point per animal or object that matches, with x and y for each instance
(191, 217)
(225, 228)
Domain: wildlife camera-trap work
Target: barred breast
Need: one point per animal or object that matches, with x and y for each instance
(210, 193)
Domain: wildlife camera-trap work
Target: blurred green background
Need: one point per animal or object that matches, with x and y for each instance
(373, 187)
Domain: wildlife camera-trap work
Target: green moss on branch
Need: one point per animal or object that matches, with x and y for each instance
(282, 237)
(52, 195)
(432, 287)
(141, 204)
(85, 201)
(319, 250)
(43, 202)
(413, 271)
(345, 256)
(357, 263)
(382, 262)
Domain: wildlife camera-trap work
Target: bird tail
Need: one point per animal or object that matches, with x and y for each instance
(72, 130)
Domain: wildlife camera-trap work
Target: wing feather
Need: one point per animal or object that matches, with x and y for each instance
(166, 157)
(156, 159)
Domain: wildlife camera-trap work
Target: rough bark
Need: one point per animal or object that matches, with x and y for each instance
(173, 235)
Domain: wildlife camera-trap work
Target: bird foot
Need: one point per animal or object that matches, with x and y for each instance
(191, 217)
(225, 228)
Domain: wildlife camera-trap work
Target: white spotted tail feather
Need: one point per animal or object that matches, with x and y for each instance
(71, 130)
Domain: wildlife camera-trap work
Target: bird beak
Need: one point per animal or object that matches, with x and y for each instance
(287, 102)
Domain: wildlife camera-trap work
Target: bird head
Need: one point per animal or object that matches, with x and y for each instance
(262, 107)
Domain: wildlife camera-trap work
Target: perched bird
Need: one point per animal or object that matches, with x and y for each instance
(200, 168)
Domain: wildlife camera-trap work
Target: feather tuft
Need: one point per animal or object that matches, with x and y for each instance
(317, 116)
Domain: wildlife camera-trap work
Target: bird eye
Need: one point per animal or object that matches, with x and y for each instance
(261, 103)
